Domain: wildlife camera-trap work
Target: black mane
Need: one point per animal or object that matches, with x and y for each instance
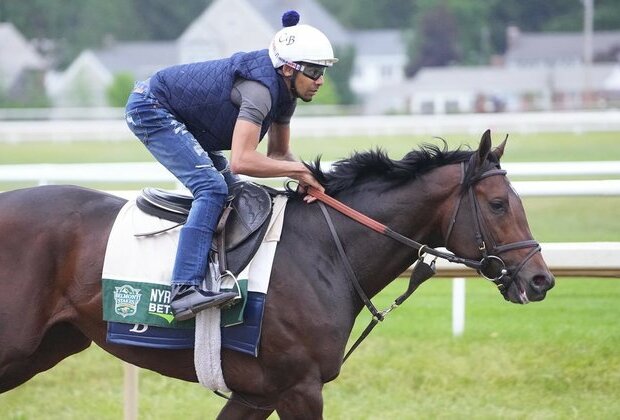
(377, 165)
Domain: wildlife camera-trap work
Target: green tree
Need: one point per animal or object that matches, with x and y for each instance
(435, 42)
(28, 90)
(328, 95)
(341, 72)
(372, 13)
(75, 25)
(120, 89)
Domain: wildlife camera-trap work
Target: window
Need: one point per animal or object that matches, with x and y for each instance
(427, 107)
(387, 72)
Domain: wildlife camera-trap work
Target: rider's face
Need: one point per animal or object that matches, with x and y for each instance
(305, 86)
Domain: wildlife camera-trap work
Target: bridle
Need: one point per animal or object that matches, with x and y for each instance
(491, 266)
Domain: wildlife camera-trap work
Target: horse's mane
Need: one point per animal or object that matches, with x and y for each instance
(376, 164)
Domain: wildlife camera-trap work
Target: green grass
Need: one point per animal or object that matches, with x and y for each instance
(557, 359)
(574, 219)
(552, 360)
(520, 148)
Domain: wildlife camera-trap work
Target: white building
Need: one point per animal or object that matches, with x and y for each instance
(225, 27)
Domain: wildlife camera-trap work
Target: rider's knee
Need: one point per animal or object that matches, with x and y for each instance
(213, 186)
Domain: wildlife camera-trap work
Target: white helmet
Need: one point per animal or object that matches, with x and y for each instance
(301, 43)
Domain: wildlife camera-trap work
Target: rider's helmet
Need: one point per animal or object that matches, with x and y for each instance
(300, 43)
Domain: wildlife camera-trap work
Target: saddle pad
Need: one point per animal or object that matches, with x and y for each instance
(244, 337)
(137, 272)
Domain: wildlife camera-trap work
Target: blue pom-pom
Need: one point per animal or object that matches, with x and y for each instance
(290, 18)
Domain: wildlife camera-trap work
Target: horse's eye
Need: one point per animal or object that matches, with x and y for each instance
(497, 206)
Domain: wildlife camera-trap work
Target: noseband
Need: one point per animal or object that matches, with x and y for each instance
(491, 266)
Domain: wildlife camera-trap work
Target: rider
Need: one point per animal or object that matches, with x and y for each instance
(186, 114)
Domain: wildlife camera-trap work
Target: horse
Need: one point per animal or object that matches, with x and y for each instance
(53, 240)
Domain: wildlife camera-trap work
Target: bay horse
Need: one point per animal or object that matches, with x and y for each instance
(53, 240)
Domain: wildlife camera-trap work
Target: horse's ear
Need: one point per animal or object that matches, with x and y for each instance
(484, 148)
(499, 150)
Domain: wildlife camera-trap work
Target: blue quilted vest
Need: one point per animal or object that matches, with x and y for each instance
(198, 94)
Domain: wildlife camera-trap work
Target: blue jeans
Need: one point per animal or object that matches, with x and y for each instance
(178, 150)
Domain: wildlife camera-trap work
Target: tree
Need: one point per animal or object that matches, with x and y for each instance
(28, 90)
(327, 95)
(341, 72)
(119, 90)
(372, 13)
(435, 43)
(75, 25)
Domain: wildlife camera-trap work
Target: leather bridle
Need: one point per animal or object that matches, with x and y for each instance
(491, 266)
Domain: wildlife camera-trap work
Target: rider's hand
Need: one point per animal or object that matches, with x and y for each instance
(306, 179)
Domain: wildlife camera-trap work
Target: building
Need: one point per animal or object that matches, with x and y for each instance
(540, 71)
(225, 27)
(18, 59)
(458, 89)
(559, 48)
(86, 80)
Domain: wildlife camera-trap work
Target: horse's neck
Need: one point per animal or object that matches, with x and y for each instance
(414, 210)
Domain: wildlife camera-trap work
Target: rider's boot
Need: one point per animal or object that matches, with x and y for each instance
(187, 300)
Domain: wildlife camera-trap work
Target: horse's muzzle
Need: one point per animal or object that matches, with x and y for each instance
(528, 288)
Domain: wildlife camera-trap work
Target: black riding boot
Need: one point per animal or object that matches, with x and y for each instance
(187, 300)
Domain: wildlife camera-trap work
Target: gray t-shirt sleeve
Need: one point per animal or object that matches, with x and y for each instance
(254, 102)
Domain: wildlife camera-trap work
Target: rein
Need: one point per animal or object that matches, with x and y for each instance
(491, 266)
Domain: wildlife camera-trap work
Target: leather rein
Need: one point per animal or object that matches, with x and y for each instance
(490, 266)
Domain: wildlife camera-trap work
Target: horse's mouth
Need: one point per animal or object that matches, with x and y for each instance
(516, 294)
(523, 294)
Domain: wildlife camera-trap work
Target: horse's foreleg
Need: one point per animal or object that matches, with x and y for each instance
(303, 401)
(59, 342)
(235, 409)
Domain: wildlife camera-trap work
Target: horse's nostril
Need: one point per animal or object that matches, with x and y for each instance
(542, 282)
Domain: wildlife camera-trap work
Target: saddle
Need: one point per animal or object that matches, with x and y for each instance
(241, 227)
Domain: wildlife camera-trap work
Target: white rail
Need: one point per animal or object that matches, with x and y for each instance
(115, 129)
(152, 172)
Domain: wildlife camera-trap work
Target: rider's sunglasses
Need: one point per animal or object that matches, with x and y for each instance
(312, 71)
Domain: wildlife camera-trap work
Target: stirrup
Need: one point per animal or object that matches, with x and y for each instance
(225, 275)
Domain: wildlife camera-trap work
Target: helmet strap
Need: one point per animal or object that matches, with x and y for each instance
(293, 80)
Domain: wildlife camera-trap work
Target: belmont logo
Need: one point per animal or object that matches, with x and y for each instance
(126, 300)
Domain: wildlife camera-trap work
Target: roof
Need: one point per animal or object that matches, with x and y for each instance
(379, 42)
(553, 47)
(141, 59)
(488, 79)
(16, 54)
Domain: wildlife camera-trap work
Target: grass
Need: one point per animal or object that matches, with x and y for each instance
(520, 148)
(552, 360)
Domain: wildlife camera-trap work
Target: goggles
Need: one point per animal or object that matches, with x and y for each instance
(312, 71)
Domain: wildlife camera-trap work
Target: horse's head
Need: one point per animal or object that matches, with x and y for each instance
(488, 223)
